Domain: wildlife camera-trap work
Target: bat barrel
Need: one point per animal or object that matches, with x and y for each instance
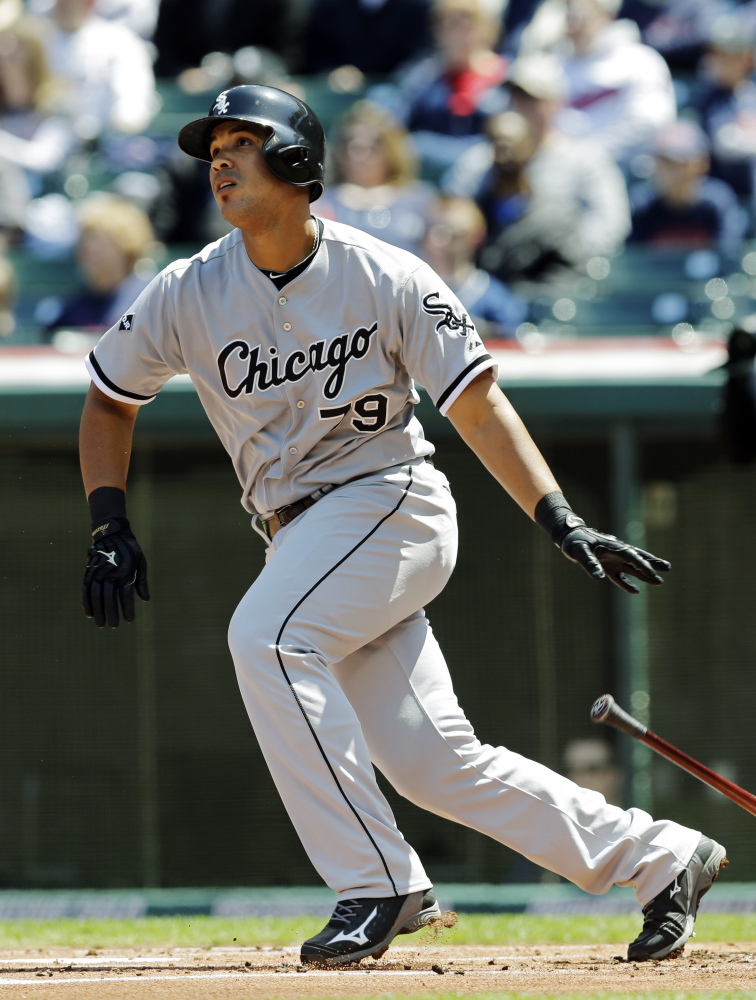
(728, 788)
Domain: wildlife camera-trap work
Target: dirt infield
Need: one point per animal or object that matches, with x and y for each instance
(237, 974)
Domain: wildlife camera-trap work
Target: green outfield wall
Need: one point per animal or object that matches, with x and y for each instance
(126, 758)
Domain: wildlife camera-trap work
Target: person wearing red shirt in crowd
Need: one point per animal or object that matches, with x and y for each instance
(448, 96)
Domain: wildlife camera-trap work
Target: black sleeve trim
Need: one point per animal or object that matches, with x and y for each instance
(462, 375)
(111, 385)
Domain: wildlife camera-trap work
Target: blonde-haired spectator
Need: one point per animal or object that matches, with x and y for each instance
(30, 136)
(375, 184)
(114, 236)
(120, 220)
(619, 91)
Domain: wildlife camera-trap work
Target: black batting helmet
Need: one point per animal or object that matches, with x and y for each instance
(295, 148)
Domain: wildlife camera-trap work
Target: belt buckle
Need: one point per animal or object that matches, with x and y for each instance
(305, 503)
(276, 516)
(266, 524)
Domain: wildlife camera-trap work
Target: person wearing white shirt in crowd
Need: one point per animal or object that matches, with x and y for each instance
(620, 91)
(139, 15)
(106, 66)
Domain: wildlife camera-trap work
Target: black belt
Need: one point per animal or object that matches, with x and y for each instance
(285, 515)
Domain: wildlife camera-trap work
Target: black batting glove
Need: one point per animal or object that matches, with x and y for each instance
(600, 555)
(116, 565)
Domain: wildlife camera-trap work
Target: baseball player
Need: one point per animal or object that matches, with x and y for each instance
(303, 339)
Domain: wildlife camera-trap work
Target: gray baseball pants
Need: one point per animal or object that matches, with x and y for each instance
(339, 670)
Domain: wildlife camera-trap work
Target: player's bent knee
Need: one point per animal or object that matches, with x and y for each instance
(250, 640)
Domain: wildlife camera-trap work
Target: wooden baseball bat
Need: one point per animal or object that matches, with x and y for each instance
(605, 709)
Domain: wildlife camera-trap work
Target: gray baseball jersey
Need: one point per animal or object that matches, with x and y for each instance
(307, 386)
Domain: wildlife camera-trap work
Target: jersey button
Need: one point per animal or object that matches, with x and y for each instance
(282, 301)
(292, 451)
(287, 327)
(300, 404)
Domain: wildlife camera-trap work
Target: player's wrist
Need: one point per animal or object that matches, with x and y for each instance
(556, 517)
(107, 511)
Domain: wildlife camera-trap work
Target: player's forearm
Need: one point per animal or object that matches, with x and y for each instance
(488, 423)
(105, 437)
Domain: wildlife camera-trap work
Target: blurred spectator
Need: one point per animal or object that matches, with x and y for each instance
(619, 90)
(187, 30)
(14, 187)
(681, 207)
(376, 187)
(551, 202)
(28, 136)
(727, 104)
(103, 71)
(374, 36)
(139, 15)
(455, 232)
(532, 240)
(8, 288)
(14, 199)
(114, 236)
(447, 97)
(513, 143)
(678, 29)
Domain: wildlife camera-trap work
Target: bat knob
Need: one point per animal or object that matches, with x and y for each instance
(602, 708)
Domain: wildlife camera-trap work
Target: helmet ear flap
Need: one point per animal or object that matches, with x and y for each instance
(295, 156)
(291, 162)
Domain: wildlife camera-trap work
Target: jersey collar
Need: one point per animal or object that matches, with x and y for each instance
(281, 278)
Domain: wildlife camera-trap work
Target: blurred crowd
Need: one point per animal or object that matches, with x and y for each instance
(519, 146)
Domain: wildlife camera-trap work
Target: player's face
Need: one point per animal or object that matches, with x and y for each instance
(242, 182)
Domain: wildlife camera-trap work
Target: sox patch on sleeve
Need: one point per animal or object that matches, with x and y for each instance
(307, 386)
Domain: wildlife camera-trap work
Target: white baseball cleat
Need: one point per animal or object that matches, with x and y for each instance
(669, 917)
(366, 926)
